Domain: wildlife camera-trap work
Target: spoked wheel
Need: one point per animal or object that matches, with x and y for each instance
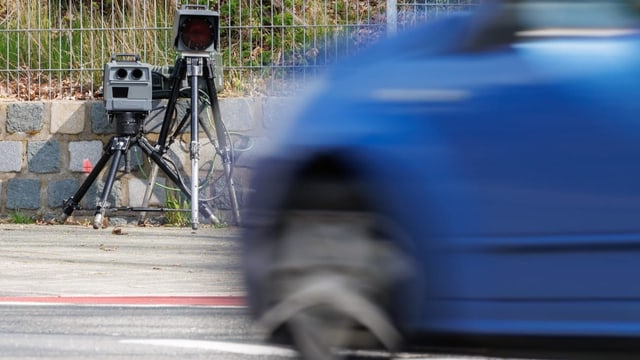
(330, 280)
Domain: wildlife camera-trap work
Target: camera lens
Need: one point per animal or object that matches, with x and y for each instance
(197, 33)
(121, 73)
(136, 74)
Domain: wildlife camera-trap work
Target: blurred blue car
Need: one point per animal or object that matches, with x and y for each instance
(475, 181)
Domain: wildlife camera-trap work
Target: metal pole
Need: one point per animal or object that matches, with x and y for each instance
(392, 17)
(194, 69)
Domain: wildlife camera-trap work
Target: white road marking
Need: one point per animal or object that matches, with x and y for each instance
(264, 350)
(236, 348)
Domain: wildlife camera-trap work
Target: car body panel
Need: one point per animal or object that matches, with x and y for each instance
(513, 171)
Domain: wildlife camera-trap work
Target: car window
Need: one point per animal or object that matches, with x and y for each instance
(516, 20)
(578, 14)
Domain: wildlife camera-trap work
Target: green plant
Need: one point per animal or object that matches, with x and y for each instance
(19, 217)
(175, 201)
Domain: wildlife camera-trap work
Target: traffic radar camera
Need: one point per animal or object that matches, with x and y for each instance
(128, 92)
(196, 30)
(127, 84)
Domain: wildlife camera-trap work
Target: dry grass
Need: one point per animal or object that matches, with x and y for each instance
(57, 49)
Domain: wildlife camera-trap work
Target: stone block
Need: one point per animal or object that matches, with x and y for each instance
(23, 194)
(138, 187)
(220, 191)
(277, 112)
(25, 117)
(43, 156)
(238, 113)
(248, 150)
(180, 156)
(81, 150)
(100, 123)
(60, 190)
(3, 117)
(95, 192)
(11, 159)
(153, 122)
(67, 117)
(134, 159)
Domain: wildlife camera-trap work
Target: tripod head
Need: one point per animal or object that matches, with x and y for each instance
(128, 123)
(161, 78)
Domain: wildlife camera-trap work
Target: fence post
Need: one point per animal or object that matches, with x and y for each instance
(392, 17)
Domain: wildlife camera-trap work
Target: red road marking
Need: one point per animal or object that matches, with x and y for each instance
(130, 300)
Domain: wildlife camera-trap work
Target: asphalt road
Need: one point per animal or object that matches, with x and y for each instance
(72, 292)
(36, 331)
(70, 260)
(110, 332)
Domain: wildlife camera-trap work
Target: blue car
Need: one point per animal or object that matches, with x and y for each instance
(472, 182)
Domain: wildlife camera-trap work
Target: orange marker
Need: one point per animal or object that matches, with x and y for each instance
(87, 166)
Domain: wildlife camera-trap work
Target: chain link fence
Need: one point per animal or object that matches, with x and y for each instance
(56, 49)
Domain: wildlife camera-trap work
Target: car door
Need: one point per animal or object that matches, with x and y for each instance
(546, 192)
(513, 167)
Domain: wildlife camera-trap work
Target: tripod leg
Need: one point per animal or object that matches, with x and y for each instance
(149, 192)
(154, 155)
(73, 202)
(179, 72)
(103, 203)
(225, 147)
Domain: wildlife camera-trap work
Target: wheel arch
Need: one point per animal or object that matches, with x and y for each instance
(348, 180)
(326, 182)
(304, 185)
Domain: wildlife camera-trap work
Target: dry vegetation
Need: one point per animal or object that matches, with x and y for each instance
(57, 48)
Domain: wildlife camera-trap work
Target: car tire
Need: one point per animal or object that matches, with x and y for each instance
(329, 280)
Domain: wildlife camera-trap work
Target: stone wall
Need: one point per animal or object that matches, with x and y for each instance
(45, 148)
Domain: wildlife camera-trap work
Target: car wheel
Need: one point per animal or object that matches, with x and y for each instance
(329, 282)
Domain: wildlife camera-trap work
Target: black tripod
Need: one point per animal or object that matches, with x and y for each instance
(130, 132)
